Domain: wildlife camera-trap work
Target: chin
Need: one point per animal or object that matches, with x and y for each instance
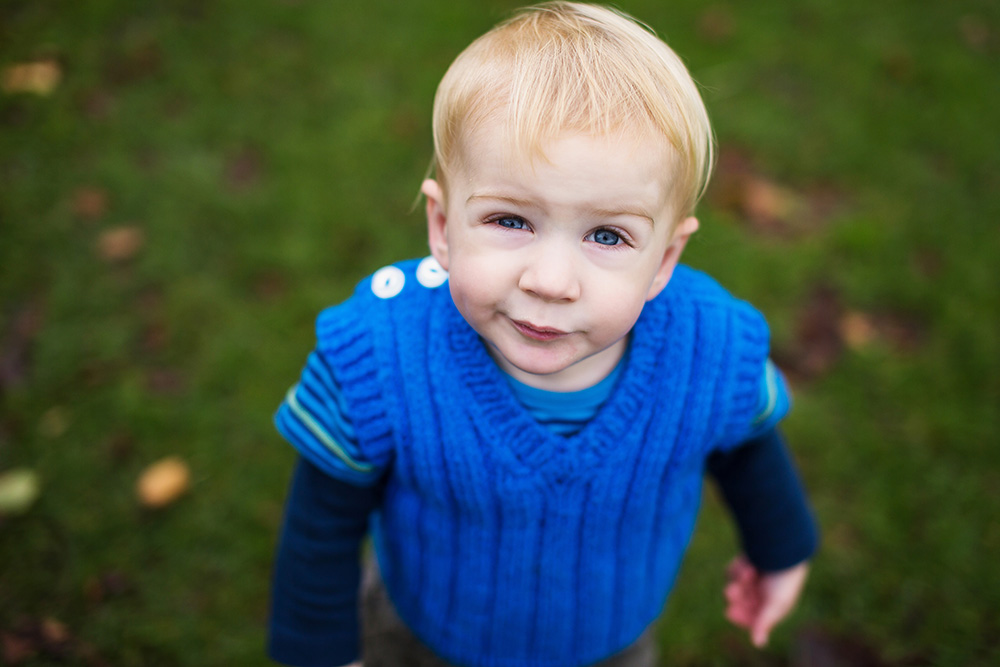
(538, 367)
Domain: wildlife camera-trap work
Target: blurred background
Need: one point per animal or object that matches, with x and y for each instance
(185, 184)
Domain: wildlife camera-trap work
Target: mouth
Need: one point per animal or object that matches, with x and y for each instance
(534, 332)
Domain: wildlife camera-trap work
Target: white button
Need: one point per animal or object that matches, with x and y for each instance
(430, 274)
(387, 282)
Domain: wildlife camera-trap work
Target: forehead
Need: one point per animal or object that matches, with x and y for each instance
(637, 166)
(526, 142)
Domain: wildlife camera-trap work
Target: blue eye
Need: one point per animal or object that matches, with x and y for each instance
(606, 237)
(511, 223)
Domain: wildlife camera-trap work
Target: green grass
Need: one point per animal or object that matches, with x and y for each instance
(270, 153)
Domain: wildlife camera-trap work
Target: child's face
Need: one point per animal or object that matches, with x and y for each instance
(552, 264)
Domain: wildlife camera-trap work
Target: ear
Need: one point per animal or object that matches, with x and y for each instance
(437, 237)
(671, 255)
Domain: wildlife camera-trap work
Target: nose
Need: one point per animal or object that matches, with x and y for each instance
(550, 274)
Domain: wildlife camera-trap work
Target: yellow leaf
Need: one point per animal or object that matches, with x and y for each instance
(19, 489)
(765, 201)
(54, 631)
(40, 78)
(120, 243)
(857, 329)
(163, 482)
(54, 422)
(90, 203)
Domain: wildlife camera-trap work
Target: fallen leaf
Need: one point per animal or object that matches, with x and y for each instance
(107, 586)
(139, 62)
(120, 243)
(16, 649)
(90, 203)
(819, 335)
(54, 422)
(175, 106)
(54, 631)
(17, 341)
(96, 104)
(821, 202)
(19, 489)
(149, 301)
(6, 431)
(163, 482)
(814, 647)
(47, 637)
(929, 263)
(716, 24)
(406, 123)
(904, 333)
(97, 373)
(270, 286)
(155, 337)
(148, 160)
(14, 114)
(243, 170)
(818, 341)
(40, 77)
(857, 329)
(120, 447)
(842, 536)
(766, 205)
(165, 381)
(899, 65)
(975, 32)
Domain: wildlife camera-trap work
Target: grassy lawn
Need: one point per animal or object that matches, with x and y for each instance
(205, 176)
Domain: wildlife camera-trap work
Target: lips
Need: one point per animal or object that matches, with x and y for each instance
(534, 332)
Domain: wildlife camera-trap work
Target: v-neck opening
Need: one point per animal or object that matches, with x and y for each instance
(514, 432)
(565, 413)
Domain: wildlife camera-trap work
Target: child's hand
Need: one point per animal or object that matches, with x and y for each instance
(758, 601)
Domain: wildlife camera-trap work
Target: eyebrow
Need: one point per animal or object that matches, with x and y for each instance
(524, 203)
(510, 200)
(612, 213)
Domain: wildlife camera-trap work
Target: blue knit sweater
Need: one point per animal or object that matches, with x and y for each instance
(502, 544)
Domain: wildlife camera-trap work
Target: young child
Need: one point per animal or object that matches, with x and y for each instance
(527, 415)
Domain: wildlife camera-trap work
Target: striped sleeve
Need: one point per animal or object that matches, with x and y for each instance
(314, 419)
(773, 402)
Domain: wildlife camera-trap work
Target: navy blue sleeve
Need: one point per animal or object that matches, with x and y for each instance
(314, 599)
(762, 490)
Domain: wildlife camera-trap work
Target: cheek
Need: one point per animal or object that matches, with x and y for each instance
(470, 289)
(479, 272)
(619, 309)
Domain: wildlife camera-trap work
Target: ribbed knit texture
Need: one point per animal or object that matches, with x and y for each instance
(501, 543)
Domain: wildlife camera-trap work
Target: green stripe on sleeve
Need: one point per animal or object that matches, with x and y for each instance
(321, 435)
(771, 381)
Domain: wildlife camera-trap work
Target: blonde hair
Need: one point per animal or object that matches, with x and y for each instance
(566, 66)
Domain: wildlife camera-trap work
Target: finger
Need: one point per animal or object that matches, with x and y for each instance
(742, 585)
(742, 603)
(735, 591)
(739, 568)
(779, 593)
(740, 615)
(768, 616)
(742, 606)
(760, 629)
